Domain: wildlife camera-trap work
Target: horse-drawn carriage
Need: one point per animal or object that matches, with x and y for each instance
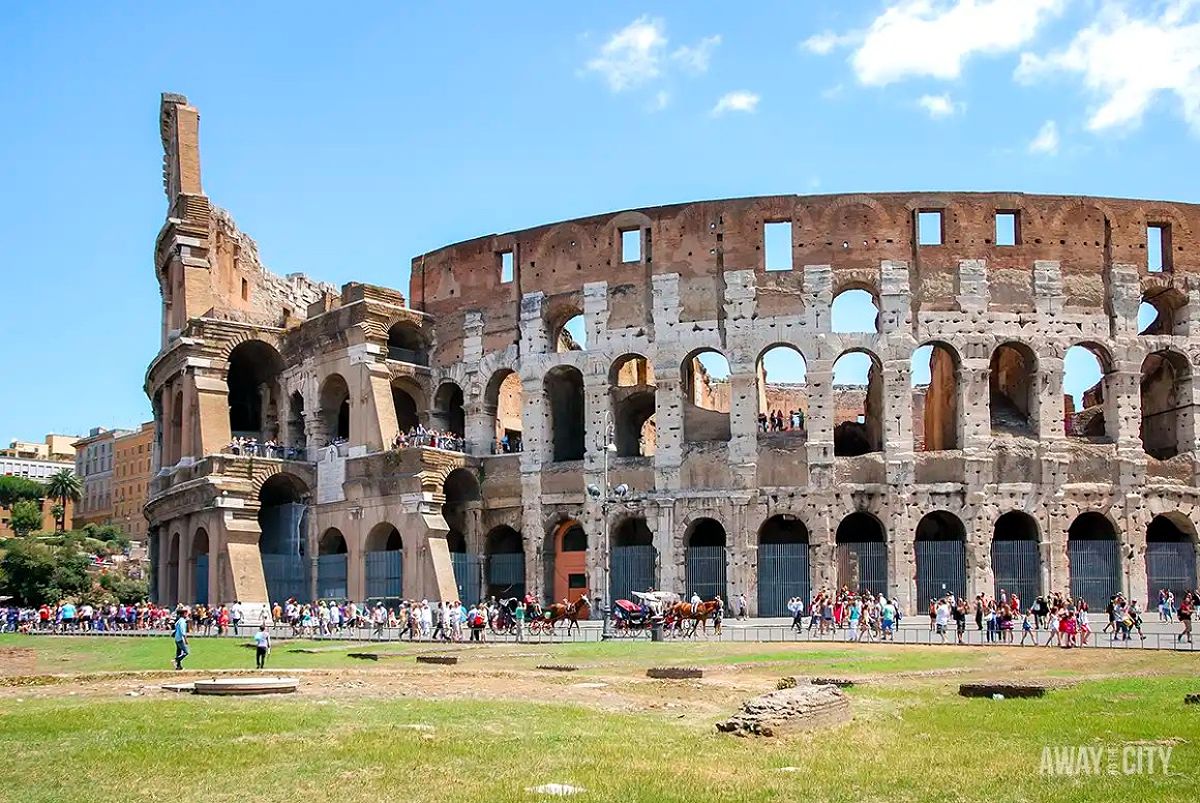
(540, 620)
(679, 619)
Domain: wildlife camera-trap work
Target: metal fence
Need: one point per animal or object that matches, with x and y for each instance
(1170, 565)
(632, 570)
(1017, 566)
(941, 569)
(1095, 569)
(506, 574)
(863, 564)
(331, 576)
(385, 574)
(704, 571)
(783, 573)
(286, 577)
(466, 576)
(201, 580)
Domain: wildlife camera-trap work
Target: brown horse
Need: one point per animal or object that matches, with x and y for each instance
(572, 612)
(698, 615)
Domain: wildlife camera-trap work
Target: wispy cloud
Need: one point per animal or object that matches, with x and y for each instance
(632, 55)
(1046, 140)
(1126, 62)
(826, 42)
(938, 106)
(695, 58)
(739, 101)
(660, 101)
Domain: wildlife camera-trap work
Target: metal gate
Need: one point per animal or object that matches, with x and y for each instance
(782, 574)
(385, 574)
(466, 576)
(286, 577)
(1170, 565)
(506, 574)
(941, 570)
(201, 580)
(863, 565)
(1095, 570)
(632, 570)
(331, 576)
(1017, 568)
(704, 569)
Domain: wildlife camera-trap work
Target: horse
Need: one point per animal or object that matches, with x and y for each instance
(698, 615)
(570, 611)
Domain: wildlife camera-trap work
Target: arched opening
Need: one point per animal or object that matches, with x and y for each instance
(941, 557)
(296, 438)
(502, 402)
(858, 404)
(449, 415)
(1094, 559)
(935, 378)
(632, 392)
(1170, 557)
(200, 567)
(571, 335)
(1086, 395)
(406, 344)
(564, 399)
(854, 310)
(254, 395)
(1163, 312)
(782, 391)
(862, 554)
(1016, 558)
(706, 396)
(283, 519)
(1012, 383)
(176, 434)
(384, 559)
(704, 559)
(783, 566)
(331, 565)
(1168, 416)
(566, 562)
(335, 409)
(172, 563)
(505, 554)
(404, 401)
(634, 559)
(460, 510)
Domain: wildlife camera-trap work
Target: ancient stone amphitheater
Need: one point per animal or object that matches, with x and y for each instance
(610, 377)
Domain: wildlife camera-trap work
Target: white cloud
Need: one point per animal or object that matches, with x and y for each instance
(660, 101)
(1126, 62)
(695, 58)
(1046, 140)
(934, 38)
(632, 56)
(740, 101)
(940, 105)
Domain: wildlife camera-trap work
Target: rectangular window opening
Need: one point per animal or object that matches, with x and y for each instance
(506, 267)
(245, 290)
(1006, 228)
(777, 245)
(929, 228)
(631, 245)
(1158, 247)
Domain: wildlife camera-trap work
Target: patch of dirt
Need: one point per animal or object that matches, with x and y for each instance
(17, 661)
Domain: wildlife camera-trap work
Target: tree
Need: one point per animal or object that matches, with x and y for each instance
(33, 573)
(18, 489)
(63, 485)
(26, 516)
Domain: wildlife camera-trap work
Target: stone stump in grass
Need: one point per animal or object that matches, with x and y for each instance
(1191, 699)
(675, 672)
(444, 660)
(1006, 690)
(798, 708)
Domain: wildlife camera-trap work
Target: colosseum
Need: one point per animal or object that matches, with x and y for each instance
(622, 425)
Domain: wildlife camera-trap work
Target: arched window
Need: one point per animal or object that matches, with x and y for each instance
(384, 559)
(407, 344)
(704, 559)
(862, 554)
(783, 564)
(633, 565)
(200, 567)
(331, 565)
(502, 401)
(1013, 389)
(1016, 558)
(1086, 369)
(571, 334)
(940, 551)
(1168, 416)
(449, 414)
(564, 399)
(706, 396)
(1094, 558)
(936, 398)
(854, 311)
(335, 408)
(632, 391)
(782, 391)
(858, 404)
(254, 394)
(282, 517)
(296, 437)
(1170, 557)
(505, 556)
(1162, 312)
(404, 400)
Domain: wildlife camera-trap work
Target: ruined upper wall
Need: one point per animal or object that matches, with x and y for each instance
(851, 233)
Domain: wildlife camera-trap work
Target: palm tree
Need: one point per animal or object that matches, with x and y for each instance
(63, 485)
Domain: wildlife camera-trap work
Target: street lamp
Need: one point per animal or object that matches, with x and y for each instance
(607, 496)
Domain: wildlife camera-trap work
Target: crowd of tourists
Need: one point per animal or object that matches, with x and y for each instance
(507, 444)
(777, 421)
(434, 438)
(863, 616)
(69, 617)
(253, 447)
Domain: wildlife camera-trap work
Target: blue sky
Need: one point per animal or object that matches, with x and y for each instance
(347, 143)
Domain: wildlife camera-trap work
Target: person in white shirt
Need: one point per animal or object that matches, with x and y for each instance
(262, 646)
(235, 615)
(942, 618)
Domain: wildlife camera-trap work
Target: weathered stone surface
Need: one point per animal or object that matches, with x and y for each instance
(437, 659)
(792, 709)
(674, 672)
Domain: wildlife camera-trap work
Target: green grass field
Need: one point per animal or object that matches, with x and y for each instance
(493, 726)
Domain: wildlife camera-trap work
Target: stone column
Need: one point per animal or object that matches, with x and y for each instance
(819, 423)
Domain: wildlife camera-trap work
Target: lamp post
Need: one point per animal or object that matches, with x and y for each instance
(607, 497)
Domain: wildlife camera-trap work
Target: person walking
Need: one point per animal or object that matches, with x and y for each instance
(262, 647)
(181, 638)
(519, 617)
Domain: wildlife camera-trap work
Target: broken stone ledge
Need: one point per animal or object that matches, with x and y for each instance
(798, 708)
(675, 672)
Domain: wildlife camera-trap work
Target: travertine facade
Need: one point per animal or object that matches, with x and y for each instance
(986, 490)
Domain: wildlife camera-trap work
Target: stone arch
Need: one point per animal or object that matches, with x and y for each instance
(1090, 414)
(632, 396)
(861, 544)
(1168, 414)
(1171, 557)
(172, 563)
(253, 369)
(296, 438)
(706, 395)
(1094, 558)
(504, 553)
(449, 413)
(940, 419)
(563, 388)
(1016, 557)
(782, 405)
(939, 548)
(1013, 384)
(852, 304)
(564, 242)
(407, 343)
(858, 425)
(332, 565)
(783, 568)
(198, 565)
(1163, 310)
(283, 543)
(633, 558)
(383, 559)
(407, 403)
(705, 558)
(335, 408)
(564, 560)
(503, 400)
